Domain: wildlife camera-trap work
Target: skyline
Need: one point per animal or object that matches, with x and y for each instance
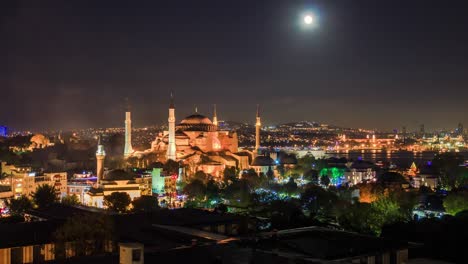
(375, 66)
(265, 124)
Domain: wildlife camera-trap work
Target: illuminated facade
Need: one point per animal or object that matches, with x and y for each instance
(24, 181)
(198, 142)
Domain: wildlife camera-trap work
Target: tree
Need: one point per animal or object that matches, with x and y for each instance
(71, 200)
(290, 187)
(451, 174)
(390, 178)
(20, 205)
(312, 176)
(221, 208)
(145, 203)
(359, 217)
(456, 202)
(201, 176)
(325, 180)
(44, 196)
(368, 192)
(229, 175)
(303, 165)
(369, 218)
(238, 193)
(171, 167)
(318, 202)
(212, 193)
(285, 213)
(406, 201)
(252, 178)
(270, 175)
(117, 201)
(387, 211)
(195, 190)
(89, 234)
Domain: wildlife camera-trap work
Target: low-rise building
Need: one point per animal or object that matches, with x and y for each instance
(360, 171)
(113, 181)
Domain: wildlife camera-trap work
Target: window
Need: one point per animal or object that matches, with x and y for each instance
(136, 254)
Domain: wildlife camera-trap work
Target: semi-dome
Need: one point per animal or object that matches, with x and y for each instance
(196, 119)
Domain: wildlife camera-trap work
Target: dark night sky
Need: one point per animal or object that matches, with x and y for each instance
(375, 64)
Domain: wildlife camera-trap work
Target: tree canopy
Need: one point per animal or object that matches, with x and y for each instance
(456, 202)
(117, 201)
(145, 203)
(44, 196)
(20, 205)
(71, 200)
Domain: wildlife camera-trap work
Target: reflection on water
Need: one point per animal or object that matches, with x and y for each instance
(399, 158)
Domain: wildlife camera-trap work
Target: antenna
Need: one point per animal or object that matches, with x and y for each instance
(127, 105)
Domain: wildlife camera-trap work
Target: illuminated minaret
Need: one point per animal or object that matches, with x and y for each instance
(258, 124)
(128, 134)
(215, 117)
(171, 148)
(100, 156)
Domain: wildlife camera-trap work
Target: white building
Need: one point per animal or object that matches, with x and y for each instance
(113, 181)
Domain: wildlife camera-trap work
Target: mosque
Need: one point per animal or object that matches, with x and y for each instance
(197, 142)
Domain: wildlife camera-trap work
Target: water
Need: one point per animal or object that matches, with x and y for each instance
(402, 159)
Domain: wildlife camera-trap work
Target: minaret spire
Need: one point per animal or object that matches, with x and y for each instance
(128, 150)
(215, 117)
(258, 125)
(171, 146)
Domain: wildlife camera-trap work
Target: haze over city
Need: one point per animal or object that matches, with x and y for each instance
(370, 64)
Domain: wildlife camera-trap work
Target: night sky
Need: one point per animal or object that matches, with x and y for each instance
(374, 64)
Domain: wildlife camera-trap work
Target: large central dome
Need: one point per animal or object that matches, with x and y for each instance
(196, 119)
(196, 122)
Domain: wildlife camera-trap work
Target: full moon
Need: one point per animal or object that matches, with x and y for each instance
(308, 19)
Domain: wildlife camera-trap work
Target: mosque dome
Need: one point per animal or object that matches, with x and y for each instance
(263, 161)
(196, 122)
(39, 141)
(117, 175)
(196, 119)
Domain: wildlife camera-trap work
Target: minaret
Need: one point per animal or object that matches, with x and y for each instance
(215, 117)
(128, 134)
(171, 147)
(258, 124)
(100, 156)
